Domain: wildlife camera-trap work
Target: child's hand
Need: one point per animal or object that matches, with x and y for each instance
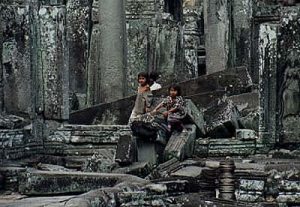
(165, 113)
(153, 112)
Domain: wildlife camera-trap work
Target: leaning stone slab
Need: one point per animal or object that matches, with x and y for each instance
(51, 183)
(196, 117)
(126, 152)
(181, 145)
(221, 119)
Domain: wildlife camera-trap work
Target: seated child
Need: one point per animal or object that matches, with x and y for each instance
(174, 104)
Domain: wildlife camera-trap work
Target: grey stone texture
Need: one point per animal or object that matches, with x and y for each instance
(78, 23)
(49, 183)
(15, 64)
(288, 75)
(216, 21)
(112, 50)
(181, 146)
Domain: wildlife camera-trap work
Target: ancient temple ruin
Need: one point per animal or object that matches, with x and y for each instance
(68, 84)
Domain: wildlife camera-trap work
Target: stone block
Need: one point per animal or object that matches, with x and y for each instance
(195, 116)
(189, 171)
(251, 185)
(181, 145)
(147, 152)
(140, 169)
(50, 183)
(221, 119)
(126, 152)
(224, 147)
(245, 134)
(15, 52)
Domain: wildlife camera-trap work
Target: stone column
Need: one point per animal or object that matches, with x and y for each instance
(112, 50)
(15, 54)
(78, 18)
(216, 23)
(267, 51)
(1, 68)
(241, 33)
(54, 62)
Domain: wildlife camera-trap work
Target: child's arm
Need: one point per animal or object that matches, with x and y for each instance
(159, 106)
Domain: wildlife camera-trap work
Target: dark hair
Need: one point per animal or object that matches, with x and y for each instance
(176, 88)
(153, 75)
(145, 75)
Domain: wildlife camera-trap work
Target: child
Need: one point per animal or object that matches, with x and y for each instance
(175, 108)
(143, 99)
(153, 76)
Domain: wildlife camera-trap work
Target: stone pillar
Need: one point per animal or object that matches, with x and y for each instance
(1, 68)
(216, 21)
(15, 54)
(53, 62)
(78, 17)
(191, 38)
(241, 33)
(112, 50)
(267, 51)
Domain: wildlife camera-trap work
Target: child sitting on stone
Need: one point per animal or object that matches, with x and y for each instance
(175, 108)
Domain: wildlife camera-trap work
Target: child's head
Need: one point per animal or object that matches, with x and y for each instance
(153, 76)
(174, 90)
(143, 78)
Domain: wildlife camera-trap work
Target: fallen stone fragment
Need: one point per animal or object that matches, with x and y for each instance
(55, 183)
(181, 145)
(126, 152)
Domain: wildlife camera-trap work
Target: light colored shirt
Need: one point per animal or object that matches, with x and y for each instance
(155, 86)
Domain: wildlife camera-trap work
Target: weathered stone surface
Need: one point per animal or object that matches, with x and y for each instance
(192, 15)
(163, 40)
(19, 200)
(196, 117)
(190, 171)
(147, 151)
(11, 177)
(54, 54)
(77, 37)
(89, 134)
(267, 81)
(181, 145)
(93, 79)
(224, 147)
(15, 44)
(117, 112)
(112, 50)
(240, 36)
(137, 46)
(140, 169)
(49, 183)
(12, 122)
(288, 75)
(102, 161)
(245, 134)
(126, 152)
(221, 119)
(13, 143)
(216, 21)
(233, 81)
(248, 107)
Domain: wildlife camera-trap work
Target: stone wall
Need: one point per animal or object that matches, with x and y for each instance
(288, 78)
